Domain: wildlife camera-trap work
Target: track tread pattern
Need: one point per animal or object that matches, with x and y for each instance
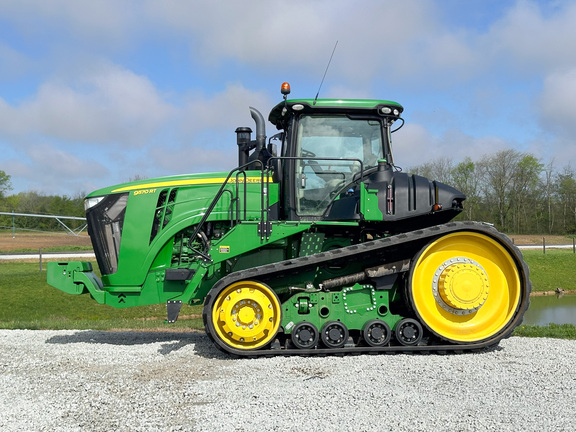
(404, 240)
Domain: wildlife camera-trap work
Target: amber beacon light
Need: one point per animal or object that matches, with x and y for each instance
(285, 88)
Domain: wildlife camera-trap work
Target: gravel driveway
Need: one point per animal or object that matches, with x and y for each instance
(131, 381)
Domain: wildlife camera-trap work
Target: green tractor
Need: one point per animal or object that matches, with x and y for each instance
(316, 243)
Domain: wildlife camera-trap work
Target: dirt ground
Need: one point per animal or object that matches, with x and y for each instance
(538, 239)
(35, 241)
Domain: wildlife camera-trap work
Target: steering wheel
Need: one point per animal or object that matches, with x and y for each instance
(308, 153)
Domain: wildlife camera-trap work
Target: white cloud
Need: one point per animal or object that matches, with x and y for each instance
(89, 98)
(104, 23)
(415, 145)
(48, 160)
(46, 169)
(193, 159)
(108, 105)
(391, 40)
(534, 38)
(226, 109)
(558, 102)
(13, 64)
(115, 116)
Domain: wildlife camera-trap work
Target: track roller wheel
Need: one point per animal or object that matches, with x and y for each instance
(305, 335)
(409, 332)
(245, 315)
(334, 334)
(376, 333)
(465, 287)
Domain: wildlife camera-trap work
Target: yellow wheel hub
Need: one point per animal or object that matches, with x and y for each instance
(462, 286)
(465, 287)
(246, 315)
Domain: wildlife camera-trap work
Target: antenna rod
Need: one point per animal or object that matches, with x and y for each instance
(327, 66)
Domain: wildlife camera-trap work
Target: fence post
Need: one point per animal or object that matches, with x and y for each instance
(544, 245)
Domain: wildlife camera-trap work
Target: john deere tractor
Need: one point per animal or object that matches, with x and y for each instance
(316, 243)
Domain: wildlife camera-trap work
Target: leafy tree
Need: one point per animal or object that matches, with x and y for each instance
(566, 190)
(5, 184)
(524, 195)
(548, 188)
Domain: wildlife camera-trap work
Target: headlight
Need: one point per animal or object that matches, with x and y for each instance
(91, 202)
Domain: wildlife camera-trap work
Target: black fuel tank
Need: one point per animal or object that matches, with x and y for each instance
(406, 201)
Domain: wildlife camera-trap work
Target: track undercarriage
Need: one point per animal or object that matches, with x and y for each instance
(453, 287)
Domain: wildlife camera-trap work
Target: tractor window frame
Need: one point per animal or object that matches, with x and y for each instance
(317, 181)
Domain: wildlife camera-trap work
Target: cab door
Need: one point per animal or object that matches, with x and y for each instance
(329, 154)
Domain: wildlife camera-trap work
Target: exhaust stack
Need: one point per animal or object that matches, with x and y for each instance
(244, 139)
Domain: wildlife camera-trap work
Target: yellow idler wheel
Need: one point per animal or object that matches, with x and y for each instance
(246, 315)
(465, 287)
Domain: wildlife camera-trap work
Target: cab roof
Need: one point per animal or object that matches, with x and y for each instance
(280, 113)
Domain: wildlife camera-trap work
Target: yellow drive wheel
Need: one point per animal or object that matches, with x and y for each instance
(246, 315)
(465, 287)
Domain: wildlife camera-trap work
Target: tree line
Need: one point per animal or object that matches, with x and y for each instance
(514, 190)
(37, 203)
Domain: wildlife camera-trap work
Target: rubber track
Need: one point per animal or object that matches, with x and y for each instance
(355, 252)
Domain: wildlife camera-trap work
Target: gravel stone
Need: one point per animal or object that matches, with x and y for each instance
(145, 381)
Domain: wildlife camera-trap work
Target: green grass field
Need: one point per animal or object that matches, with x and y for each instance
(554, 269)
(28, 302)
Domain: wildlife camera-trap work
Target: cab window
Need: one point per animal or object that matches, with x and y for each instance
(320, 140)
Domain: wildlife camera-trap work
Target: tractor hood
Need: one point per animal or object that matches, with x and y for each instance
(148, 185)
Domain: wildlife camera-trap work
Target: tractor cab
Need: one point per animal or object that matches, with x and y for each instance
(335, 164)
(328, 146)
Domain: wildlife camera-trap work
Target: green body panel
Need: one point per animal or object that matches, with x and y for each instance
(353, 307)
(139, 279)
(369, 208)
(194, 195)
(148, 186)
(242, 247)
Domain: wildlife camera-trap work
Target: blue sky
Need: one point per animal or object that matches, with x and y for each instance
(93, 93)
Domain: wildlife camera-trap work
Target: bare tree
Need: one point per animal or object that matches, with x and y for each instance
(439, 169)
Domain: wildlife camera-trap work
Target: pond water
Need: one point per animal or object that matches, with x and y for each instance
(554, 309)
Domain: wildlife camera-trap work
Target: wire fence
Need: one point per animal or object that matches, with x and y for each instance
(68, 228)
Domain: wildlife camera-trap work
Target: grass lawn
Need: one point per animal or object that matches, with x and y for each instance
(557, 331)
(554, 269)
(28, 302)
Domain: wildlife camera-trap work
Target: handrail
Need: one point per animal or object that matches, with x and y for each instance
(213, 205)
(264, 226)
